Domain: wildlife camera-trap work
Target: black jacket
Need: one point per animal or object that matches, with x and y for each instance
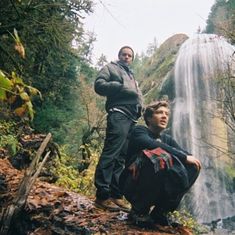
(117, 83)
(142, 138)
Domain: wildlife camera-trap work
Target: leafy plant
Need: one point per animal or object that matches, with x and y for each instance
(8, 138)
(69, 176)
(17, 95)
(18, 44)
(185, 218)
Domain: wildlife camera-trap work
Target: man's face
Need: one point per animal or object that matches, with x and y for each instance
(160, 118)
(126, 56)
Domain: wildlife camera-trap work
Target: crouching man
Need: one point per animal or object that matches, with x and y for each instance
(158, 171)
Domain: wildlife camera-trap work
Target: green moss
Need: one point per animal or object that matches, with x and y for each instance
(185, 218)
(165, 66)
(230, 171)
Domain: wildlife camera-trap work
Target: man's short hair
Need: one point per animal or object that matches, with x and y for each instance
(151, 108)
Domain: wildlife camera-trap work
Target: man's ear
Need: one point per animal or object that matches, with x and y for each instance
(148, 120)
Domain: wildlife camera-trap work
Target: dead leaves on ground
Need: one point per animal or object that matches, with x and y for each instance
(55, 210)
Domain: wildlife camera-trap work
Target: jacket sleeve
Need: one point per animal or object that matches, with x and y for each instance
(104, 86)
(141, 138)
(174, 144)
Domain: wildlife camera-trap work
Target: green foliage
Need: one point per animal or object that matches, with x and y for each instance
(54, 59)
(10, 142)
(56, 54)
(8, 138)
(230, 171)
(5, 85)
(66, 171)
(16, 96)
(186, 219)
(70, 177)
(221, 20)
(55, 118)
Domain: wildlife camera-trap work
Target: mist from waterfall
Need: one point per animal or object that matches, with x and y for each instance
(196, 125)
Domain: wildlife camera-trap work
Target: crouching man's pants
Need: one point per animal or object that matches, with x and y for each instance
(148, 189)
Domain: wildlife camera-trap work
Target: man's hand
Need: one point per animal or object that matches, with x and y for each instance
(192, 160)
(133, 168)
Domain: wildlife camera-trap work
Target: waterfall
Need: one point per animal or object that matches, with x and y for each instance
(196, 124)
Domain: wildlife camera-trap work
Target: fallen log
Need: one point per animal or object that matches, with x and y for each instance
(26, 184)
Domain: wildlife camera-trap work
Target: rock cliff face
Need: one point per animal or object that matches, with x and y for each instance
(158, 68)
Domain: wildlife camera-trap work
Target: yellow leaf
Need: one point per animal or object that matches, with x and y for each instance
(5, 83)
(30, 110)
(24, 96)
(17, 79)
(20, 111)
(34, 91)
(20, 49)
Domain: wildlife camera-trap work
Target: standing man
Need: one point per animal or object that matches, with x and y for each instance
(148, 181)
(123, 105)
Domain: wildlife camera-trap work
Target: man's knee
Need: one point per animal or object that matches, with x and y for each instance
(193, 173)
(193, 170)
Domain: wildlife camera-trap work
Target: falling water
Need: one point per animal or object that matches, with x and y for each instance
(196, 125)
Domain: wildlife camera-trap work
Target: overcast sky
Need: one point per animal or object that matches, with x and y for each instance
(138, 22)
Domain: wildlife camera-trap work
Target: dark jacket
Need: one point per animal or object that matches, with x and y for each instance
(142, 138)
(117, 83)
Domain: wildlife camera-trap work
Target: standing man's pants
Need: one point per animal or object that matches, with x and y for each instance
(112, 159)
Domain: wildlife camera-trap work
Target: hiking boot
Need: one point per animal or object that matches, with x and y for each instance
(121, 204)
(160, 218)
(107, 205)
(140, 220)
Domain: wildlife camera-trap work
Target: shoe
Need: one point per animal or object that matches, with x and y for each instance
(121, 204)
(107, 205)
(160, 218)
(140, 220)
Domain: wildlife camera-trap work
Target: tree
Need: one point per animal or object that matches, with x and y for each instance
(221, 20)
(226, 95)
(56, 53)
(152, 47)
(101, 61)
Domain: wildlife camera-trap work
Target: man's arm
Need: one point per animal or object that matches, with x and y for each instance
(167, 139)
(104, 86)
(190, 159)
(140, 137)
(140, 140)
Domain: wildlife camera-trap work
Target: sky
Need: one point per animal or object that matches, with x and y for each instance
(138, 22)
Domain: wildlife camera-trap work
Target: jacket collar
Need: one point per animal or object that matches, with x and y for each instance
(123, 65)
